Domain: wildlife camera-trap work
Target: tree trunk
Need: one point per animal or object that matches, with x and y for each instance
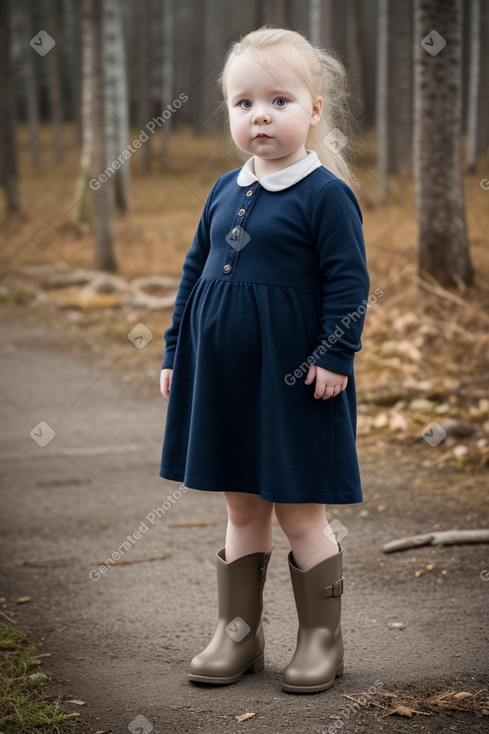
(82, 210)
(353, 55)
(32, 89)
(483, 106)
(443, 242)
(141, 12)
(381, 117)
(54, 83)
(73, 43)
(8, 147)
(474, 82)
(400, 104)
(116, 101)
(197, 77)
(315, 22)
(102, 198)
(275, 12)
(92, 14)
(167, 74)
(327, 28)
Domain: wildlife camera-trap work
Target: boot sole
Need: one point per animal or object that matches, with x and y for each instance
(253, 667)
(314, 689)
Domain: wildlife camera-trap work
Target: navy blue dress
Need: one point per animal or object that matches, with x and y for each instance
(275, 280)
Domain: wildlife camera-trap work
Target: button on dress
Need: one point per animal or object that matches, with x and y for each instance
(275, 280)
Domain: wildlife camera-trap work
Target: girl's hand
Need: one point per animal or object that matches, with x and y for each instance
(328, 384)
(165, 382)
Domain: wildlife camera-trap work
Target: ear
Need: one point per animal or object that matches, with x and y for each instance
(317, 110)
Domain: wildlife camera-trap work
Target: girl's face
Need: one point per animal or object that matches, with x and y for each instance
(270, 111)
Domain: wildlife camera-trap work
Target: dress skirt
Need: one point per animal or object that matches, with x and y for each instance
(238, 417)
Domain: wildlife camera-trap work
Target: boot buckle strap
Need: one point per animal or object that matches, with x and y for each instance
(335, 590)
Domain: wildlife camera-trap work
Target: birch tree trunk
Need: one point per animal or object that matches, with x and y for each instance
(116, 98)
(96, 201)
(443, 242)
(54, 83)
(32, 89)
(8, 147)
(82, 210)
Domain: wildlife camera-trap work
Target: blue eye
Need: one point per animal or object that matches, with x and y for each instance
(245, 104)
(281, 102)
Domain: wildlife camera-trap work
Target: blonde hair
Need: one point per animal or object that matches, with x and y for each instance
(325, 76)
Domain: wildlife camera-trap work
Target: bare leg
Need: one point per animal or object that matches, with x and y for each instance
(308, 531)
(249, 528)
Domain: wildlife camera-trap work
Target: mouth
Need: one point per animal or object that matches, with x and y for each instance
(262, 136)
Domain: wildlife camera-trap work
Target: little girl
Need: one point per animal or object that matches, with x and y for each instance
(258, 366)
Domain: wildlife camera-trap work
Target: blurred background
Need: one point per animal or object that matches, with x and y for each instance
(113, 131)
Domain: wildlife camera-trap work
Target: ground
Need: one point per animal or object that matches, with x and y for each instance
(122, 641)
(415, 622)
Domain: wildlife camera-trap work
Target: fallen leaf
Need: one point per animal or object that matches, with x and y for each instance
(24, 599)
(402, 711)
(381, 420)
(77, 701)
(243, 717)
(461, 695)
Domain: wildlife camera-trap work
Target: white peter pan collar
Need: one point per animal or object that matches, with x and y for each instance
(279, 180)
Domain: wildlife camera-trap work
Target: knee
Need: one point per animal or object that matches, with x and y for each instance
(298, 525)
(249, 509)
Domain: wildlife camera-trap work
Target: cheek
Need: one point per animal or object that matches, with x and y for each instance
(237, 125)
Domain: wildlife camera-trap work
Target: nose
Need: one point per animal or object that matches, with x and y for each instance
(261, 116)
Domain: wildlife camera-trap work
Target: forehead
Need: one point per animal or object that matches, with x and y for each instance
(272, 69)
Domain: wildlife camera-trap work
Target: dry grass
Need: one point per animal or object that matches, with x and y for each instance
(425, 700)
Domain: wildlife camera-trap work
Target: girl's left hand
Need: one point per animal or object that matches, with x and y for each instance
(328, 384)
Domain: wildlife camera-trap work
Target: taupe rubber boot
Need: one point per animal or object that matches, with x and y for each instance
(238, 643)
(318, 657)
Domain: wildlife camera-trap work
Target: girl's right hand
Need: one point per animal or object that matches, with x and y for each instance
(165, 382)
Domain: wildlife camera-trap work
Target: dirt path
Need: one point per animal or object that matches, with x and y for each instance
(122, 641)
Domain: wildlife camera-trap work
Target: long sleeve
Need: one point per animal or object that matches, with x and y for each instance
(337, 229)
(192, 268)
